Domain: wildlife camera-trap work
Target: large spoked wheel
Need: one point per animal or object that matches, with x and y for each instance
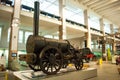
(50, 60)
(35, 67)
(33, 63)
(65, 64)
(78, 64)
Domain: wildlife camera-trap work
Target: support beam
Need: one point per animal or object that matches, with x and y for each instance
(112, 28)
(90, 2)
(88, 34)
(13, 46)
(103, 4)
(62, 27)
(111, 14)
(103, 37)
(97, 4)
(114, 45)
(108, 10)
(102, 26)
(112, 5)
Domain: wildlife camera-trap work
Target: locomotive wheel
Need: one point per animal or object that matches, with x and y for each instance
(65, 64)
(35, 67)
(50, 60)
(78, 64)
(87, 60)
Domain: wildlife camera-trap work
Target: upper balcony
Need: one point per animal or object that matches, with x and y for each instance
(49, 23)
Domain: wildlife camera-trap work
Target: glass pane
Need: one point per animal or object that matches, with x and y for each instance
(74, 14)
(93, 22)
(8, 38)
(27, 35)
(107, 27)
(20, 39)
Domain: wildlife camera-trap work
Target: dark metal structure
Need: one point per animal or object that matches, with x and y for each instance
(49, 55)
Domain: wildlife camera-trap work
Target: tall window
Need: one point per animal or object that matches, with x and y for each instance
(50, 6)
(116, 29)
(75, 14)
(8, 38)
(27, 35)
(93, 21)
(20, 39)
(106, 27)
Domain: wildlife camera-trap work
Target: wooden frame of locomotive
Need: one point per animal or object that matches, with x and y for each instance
(49, 55)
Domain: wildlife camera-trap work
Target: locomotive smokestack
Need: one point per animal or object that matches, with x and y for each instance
(36, 18)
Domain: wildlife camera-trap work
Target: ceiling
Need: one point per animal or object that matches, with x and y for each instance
(109, 9)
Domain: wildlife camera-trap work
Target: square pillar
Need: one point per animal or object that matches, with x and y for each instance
(62, 27)
(87, 34)
(14, 29)
(103, 37)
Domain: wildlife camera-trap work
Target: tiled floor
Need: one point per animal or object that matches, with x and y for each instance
(106, 71)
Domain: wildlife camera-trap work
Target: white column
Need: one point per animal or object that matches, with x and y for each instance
(103, 37)
(102, 26)
(62, 27)
(88, 34)
(112, 28)
(13, 46)
(114, 43)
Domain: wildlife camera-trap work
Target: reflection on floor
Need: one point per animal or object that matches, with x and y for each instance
(105, 71)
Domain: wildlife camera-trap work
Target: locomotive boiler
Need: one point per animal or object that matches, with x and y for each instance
(49, 55)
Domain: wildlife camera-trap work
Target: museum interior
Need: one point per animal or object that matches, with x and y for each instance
(59, 40)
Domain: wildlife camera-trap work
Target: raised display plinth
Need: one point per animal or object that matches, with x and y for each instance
(64, 74)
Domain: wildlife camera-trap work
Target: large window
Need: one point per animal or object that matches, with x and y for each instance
(74, 14)
(27, 35)
(116, 29)
(50, 6)
(94, 22)
(107, 27)
(20, 39)
(8, 37)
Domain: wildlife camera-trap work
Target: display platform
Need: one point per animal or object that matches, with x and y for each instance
(63, 74)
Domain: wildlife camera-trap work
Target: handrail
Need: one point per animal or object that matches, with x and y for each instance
(27, 7)
(7, 2)
(73, 22)
(57, 17)
(95, 30)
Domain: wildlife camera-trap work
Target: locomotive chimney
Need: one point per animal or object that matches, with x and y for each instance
(36, 18)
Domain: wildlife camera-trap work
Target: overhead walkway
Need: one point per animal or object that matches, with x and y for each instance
(45, 17)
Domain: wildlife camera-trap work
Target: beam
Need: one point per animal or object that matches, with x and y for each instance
(107, 6)
(110, 9)
(98, 4)
(104, 3)
(112, 13)
(90, 2)
(84, 1)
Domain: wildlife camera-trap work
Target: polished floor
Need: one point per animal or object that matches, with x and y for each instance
(106, 71)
